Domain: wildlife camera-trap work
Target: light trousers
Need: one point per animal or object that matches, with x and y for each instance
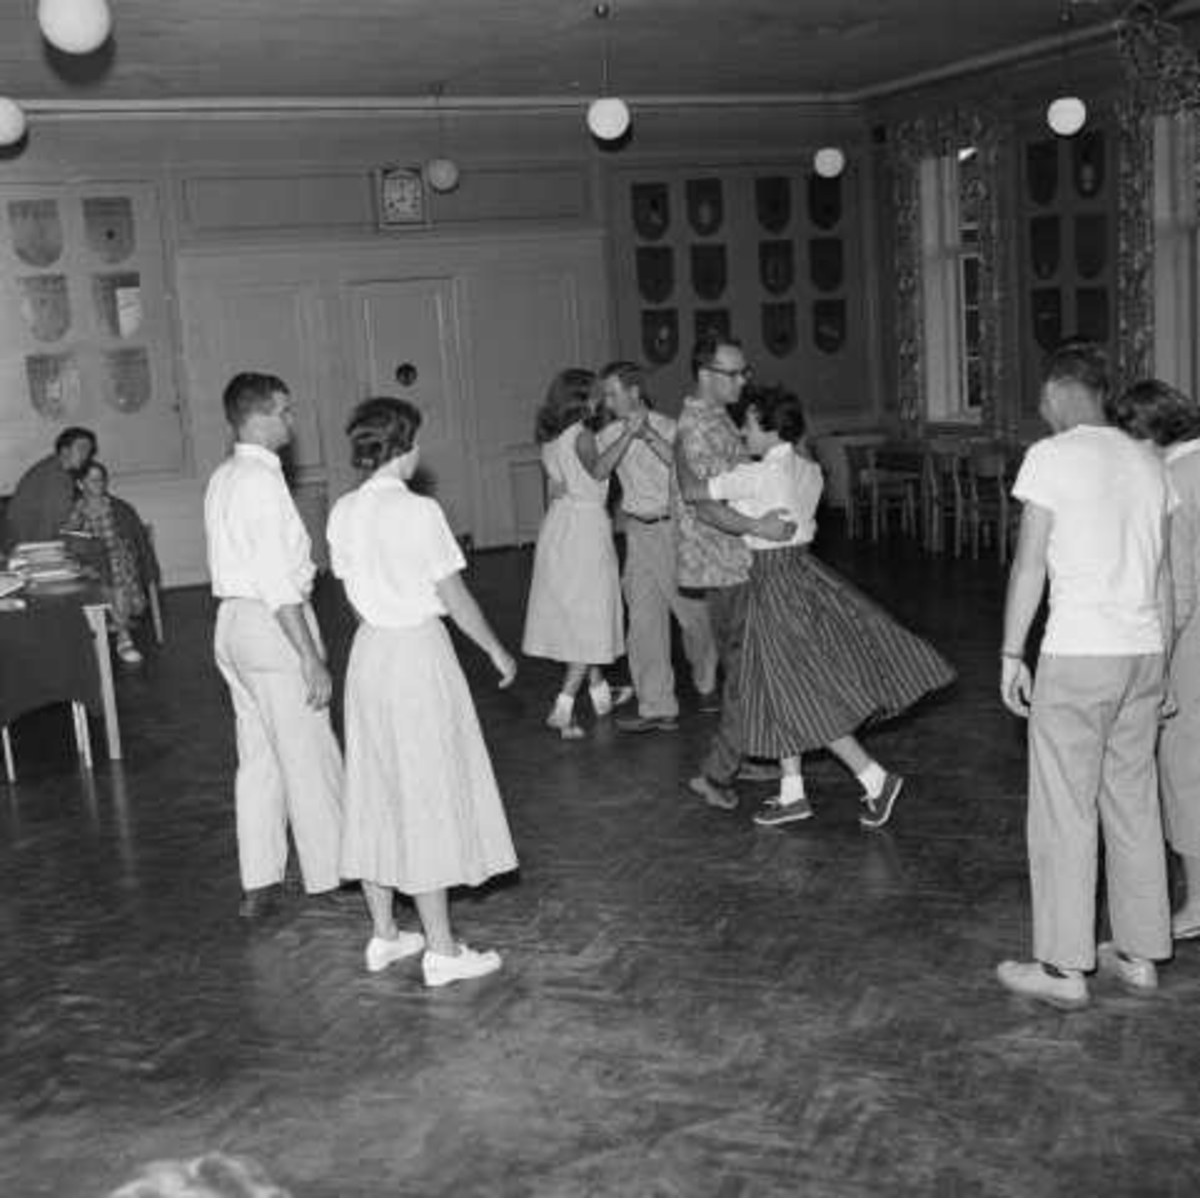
(1092, 732)
(289, 765)
(652, 598)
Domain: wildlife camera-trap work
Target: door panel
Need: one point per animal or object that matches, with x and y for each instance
(408, 347)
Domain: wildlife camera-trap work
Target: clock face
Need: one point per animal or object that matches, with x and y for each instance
(401, 197)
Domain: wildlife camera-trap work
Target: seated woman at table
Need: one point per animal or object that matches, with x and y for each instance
(123, 551)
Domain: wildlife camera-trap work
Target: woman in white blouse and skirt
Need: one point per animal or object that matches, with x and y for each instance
(422, 811)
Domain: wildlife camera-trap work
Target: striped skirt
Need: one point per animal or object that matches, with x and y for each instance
(821, 659)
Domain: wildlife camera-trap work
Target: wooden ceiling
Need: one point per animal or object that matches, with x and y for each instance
(165, 51)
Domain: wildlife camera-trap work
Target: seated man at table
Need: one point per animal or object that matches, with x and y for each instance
(42, 502)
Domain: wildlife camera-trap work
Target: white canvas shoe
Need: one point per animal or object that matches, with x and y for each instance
(1136, 974)
(381, 953)
(441, 970)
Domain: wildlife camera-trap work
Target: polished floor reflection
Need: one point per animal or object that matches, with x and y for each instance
(690, 1005)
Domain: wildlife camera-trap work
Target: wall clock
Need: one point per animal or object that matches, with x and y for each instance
(401, 192)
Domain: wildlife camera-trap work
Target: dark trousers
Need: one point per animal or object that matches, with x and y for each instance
(727, 614)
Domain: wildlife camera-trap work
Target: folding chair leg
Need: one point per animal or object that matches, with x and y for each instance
(83, 737)
(10, 772)
(155, 612)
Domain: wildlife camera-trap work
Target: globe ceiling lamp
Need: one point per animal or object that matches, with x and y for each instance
(608, 116)
(75, 26)
(829, 162)
(441, 172)
(1066, 114)
(12, 122)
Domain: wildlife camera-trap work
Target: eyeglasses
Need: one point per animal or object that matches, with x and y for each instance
(742, 372)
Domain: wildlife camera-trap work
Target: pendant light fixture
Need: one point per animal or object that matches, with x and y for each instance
(75, 26)
(608, 116)
(829, 162)
(12, 122)
(1066, 114)
(441, 173)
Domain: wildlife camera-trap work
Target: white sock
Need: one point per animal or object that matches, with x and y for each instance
(872, 779)
(601, 693)
(791, 789)
(564, 705)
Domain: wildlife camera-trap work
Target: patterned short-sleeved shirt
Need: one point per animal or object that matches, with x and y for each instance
(705, 556)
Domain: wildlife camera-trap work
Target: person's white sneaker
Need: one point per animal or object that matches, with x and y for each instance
(1136, 974)
(605, 698)
(1029, 980)
(441, 970)
(381, 953)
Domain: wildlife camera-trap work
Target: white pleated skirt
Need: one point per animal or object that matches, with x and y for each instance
(422, 810)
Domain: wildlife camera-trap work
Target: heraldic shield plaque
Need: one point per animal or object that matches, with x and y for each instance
(779, 328)
(1087, 160)
(1041, 170)
(655, 273)
(108, 227)
(1047, 317)
(708, 271)
(651, 203)
(829, 325)
(776, 266)
(711, 322)
(825, 262)
(824, 201)
(1045, 245)
(1091, 313)
(773, 202)
(1091, 243)
(705, 205)
(36, 230)
(660, 334)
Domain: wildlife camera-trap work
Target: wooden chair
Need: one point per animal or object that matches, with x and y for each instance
(152, 596)
(83, 742)
(858, 488)
(990, 512)
(895, 486)
(943, 495)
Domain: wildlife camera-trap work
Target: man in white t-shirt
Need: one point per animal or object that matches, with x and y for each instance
(648, 580)
(1096, 504)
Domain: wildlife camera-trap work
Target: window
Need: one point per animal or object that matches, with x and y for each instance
(950, 277)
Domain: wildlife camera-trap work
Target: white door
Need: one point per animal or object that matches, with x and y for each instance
(408, 347)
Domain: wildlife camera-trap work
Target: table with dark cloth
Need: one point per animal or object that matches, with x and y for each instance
(49, 653)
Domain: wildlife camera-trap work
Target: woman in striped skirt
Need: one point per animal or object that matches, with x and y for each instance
(821, 660)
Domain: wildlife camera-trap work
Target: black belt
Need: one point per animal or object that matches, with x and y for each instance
(648, 519)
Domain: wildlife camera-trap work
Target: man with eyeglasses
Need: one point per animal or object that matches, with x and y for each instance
(711, 556)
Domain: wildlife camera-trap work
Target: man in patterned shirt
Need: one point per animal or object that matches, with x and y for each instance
(711, 556)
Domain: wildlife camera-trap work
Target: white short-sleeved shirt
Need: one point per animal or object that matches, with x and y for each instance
(782, 479)
(258, 547)
(1109, 497)
(391, 548)
(645, 477)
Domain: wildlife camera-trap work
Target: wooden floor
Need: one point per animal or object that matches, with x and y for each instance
(690, 1006)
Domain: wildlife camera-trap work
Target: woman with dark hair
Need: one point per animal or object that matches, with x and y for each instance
(820, 659)
(422, 811)
(1153, 411)
(574, 610)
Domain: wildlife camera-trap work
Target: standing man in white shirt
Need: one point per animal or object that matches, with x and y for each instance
(651, 593)
(1094, 521)
(269, 651)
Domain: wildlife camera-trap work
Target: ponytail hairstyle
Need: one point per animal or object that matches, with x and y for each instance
(382, 428)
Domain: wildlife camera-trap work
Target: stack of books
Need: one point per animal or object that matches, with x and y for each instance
(43, 561)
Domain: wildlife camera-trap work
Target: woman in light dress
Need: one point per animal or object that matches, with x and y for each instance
(422, 812)
(1153, 411)
(574, 612)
